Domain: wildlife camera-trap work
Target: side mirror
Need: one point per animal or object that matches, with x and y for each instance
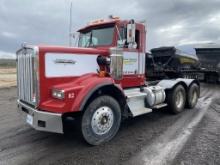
(75, 38)
(131, 32)
(73, 35)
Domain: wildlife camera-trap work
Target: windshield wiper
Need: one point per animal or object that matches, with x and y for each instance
(91, 44)
(90, 39)
(88, 43)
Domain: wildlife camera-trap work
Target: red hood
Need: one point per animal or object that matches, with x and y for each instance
(64, 49)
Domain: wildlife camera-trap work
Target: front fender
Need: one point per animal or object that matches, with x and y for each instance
(76, 93)
(89, 87)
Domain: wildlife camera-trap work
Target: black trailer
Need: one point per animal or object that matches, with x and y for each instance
(209, 57)
(170, 62)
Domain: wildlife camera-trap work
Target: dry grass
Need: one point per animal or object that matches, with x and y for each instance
(7, 77)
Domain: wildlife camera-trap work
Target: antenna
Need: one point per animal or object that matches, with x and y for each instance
(70, 25)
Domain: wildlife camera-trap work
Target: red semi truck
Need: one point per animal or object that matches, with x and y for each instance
(99, 81)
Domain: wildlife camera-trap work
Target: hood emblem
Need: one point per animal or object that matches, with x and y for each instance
(64, 61)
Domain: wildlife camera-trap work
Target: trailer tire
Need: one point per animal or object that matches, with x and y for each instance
(101, 120)
(176, 99)
(192, 96)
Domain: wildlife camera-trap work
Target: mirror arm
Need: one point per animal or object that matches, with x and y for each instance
(118, 33)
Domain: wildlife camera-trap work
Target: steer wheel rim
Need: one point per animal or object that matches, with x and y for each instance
(102, 120)
(179, 99)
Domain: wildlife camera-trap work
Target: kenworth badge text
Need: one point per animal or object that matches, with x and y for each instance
(99, 82)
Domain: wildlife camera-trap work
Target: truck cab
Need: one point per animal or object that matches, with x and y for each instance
(100, 81)
(127, 35)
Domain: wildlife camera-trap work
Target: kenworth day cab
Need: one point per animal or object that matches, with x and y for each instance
(100, 81)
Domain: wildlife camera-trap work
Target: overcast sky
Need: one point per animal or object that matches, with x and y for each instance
(169, 22)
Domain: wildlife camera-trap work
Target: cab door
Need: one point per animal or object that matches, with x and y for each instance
(134, 59)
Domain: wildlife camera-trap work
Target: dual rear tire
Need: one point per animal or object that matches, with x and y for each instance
(179, 98)
(193, 96)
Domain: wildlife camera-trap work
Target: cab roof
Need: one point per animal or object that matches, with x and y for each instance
(101, 22)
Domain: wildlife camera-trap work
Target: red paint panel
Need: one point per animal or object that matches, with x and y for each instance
(46, 84)
(79, 87)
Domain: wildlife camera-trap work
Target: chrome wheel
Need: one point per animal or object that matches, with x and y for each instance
(179, 99)
(102, 120)
(194, 97)
(176, 99)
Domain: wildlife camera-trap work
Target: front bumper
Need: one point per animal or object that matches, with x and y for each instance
(40, 120)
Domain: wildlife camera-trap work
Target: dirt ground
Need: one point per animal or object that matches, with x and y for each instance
(203, 147)
(7, 77)
(20, 144)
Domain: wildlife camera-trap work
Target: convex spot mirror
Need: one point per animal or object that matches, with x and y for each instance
(121, 43)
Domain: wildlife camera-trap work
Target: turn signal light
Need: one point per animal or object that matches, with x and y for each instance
(102, 73)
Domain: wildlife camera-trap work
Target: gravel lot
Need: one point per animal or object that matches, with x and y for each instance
(203, 147)
(134, 143)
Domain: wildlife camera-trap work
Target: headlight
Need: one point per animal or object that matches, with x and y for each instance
(58, 94)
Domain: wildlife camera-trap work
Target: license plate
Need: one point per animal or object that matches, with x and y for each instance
(29, 119)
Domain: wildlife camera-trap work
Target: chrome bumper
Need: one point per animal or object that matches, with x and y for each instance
(40, 120)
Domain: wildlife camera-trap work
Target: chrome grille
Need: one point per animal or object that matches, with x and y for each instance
(27, 79)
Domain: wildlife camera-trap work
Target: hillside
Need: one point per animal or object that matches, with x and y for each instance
(7, 63)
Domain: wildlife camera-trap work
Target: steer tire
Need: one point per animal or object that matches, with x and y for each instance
(176, 99)
(192, 96)
(101, 120)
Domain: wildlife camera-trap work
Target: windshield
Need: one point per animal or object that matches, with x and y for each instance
(96, 37)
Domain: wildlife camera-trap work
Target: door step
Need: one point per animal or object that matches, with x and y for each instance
(160, 106)
(138, 112)
(136, 102)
